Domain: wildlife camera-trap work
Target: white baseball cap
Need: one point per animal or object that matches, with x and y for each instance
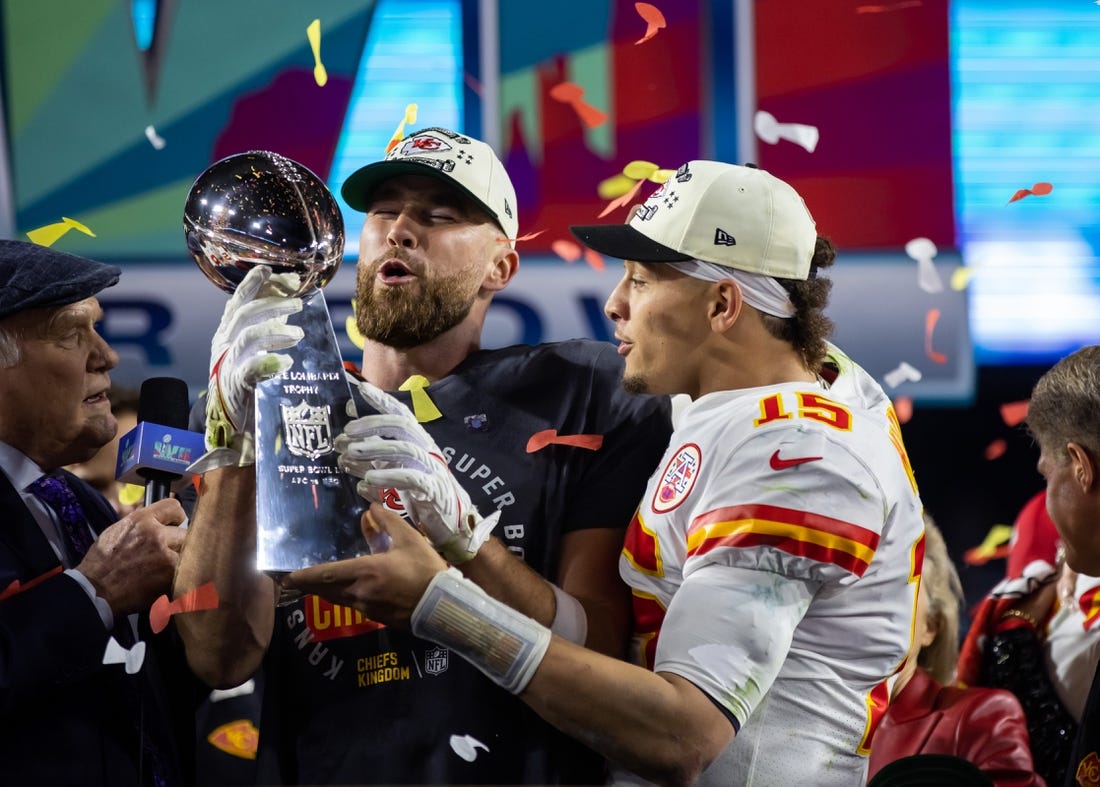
(738, 217)
(461, 161)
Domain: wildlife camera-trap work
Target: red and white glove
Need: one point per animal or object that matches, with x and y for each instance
(392, 450)
(253, 324)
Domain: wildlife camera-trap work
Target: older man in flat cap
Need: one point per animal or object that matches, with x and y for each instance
(72, 578)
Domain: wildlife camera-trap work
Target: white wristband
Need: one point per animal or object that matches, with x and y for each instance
(501, 642)
(570, 620)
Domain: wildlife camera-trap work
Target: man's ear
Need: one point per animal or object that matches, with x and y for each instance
(503, 268)
(725, 305)
(1084, 468)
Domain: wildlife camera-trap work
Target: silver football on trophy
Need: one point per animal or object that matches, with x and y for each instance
(260, 208)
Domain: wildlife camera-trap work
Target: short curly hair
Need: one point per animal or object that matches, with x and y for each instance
(809, 329)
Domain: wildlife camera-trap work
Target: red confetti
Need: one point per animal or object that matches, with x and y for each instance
(521, 238)
(903, 409)
(571, 93)
(1013, 413)
(15, 587)
(995, 450)
(625, 199)
(878, 9)
(594, 260)
(979, 556)
(566, 249)
(540, 440)
(473, 83)
(930, 321)
(202, 597)
(653, 17)
(1038, 190)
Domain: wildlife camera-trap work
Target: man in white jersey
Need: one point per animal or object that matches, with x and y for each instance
(775, 557)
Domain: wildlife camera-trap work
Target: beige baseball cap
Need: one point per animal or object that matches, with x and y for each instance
(461, 161)
(739, 217)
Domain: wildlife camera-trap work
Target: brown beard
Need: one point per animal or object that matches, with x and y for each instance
(403, 318)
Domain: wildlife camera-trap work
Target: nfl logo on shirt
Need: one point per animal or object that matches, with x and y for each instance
(436, 661)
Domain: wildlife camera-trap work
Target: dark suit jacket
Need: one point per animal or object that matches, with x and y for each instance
(65, 717)
(984, 726)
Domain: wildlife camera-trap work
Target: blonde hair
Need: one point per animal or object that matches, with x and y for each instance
(945, 595)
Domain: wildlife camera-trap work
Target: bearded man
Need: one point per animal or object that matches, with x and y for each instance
(347, 699)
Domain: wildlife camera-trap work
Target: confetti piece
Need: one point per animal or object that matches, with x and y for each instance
(1038, 190)
(313, 33)
(15, 587)
(132, 659)
(566, 249)
(594, 260)
(48, 235)
(473, 83)
(131, 494)
(878, 9)
(771, 131)
(640, 170)
(615, 186)
(625, 199)
(466, 746)
(423, 407)
(202, 597)
(904, 373)
(399, 134)
(653, 17)
(903, 409)
(930, 320)
(923, 251)
(540, 440)
(993, 546)
(996, 450)
(351, 328)
(155, 139)
(522, 238)
(960, 278)
(1014, 413)
(571, 93)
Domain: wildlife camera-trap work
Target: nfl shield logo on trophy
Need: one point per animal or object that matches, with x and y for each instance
(307, 429)
(436, 661)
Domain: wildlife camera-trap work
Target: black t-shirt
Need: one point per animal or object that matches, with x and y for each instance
(350, 702)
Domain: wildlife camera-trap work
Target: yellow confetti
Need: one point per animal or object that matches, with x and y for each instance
(131, 494)
(399, 134)
(639, 170)
(48, 235)
(423, 407)
(997, 535)
(961, 278)
(351, 328)
(615, 186)
(313, 32)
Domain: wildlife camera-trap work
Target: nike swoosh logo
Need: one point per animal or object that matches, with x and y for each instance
(782, 464)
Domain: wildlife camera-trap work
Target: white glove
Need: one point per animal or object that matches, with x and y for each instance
(253, 324)
(393, 450)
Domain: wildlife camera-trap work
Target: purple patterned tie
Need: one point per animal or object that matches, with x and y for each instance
(54, 492)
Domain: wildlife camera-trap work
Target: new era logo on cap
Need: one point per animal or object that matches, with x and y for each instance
(739, 217)
(723, 238)
(461, 161)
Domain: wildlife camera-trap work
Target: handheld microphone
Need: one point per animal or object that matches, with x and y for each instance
(159, 449)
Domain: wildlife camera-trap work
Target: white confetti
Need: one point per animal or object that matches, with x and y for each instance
(771, 131)
(132, 658)
(904, 373)
(154, 139)
(466, 746)
(923, 250)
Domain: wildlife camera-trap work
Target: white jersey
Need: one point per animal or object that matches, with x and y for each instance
(1072, 646)
(774, 563)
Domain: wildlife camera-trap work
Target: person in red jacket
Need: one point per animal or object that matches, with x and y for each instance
(928, 713)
